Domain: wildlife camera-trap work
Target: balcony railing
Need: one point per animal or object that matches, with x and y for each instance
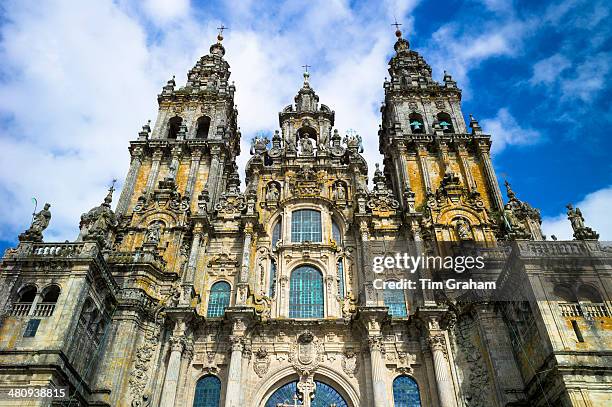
(570, 309)
(594, 310)
(44, 309)
(584, 309)
(21, 309)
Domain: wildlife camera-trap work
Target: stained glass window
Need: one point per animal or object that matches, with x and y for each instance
(306, 293)
(272, 290)
(306, 226)
(394, 299)
(405, 392)
(340, 278)
(276, 232)
(208, 392)
(336, 233)
(324, 396)
(219, 299)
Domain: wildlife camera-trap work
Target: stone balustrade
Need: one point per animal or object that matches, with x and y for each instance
(587, 310)
(57, 249)
(21, 309)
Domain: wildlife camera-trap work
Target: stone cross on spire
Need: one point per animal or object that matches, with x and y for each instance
(221, 29)
(306, 73)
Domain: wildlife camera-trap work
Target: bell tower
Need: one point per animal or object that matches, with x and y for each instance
(181, 164)
(441, 172)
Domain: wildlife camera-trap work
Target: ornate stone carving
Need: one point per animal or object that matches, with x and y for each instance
(305, 353)
(519, 219)
(262, 362)
(39, 224)
(97, 224)
(305, 182)
(381, 200)
(139, 376)
(259, 145)
(350, 363)
(581, 232)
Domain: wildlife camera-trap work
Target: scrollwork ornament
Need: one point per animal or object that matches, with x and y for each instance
(350, 363)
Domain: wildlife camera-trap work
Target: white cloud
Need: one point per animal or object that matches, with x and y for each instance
(505, 131)
(547, 70)
(165, 11)
(79, 79)
(458, 49)
(590, 78)
(595, 208)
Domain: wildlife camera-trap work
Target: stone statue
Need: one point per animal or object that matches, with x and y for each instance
(510, 219)
(463, 229)
(154, 233)
(581, 231)
(575, 217)
(340, 192)
(172, 170)
(306, 147)
(41, 220)
(39, 224)
(259, 145)
(323, 143)
(273, 192)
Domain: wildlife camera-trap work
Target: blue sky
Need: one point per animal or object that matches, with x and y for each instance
(78, 79)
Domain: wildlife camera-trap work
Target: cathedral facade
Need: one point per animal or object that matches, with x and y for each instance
(197, 292)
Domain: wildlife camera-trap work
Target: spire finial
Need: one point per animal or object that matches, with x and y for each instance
(397, 25)
(306, 73)
(109, 196)
(221, 29)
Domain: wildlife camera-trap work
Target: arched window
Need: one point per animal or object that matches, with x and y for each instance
(306, 293)
(27, 294)
(417, 125)
(207, 392)
(406, 392)
(203, 127)
(276, 232)
(306, 226)
(336, 235)
(51, 294)
(49, 298)
(587, 293)
(445, 122)
(272, 290)
(219, 299)
(394, 299)
(340, 270)
(174, 126)
(324, 396)
(24, 302)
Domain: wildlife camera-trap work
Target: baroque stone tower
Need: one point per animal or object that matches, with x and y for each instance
(196, 292)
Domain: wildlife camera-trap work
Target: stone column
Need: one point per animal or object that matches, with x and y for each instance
(463, 156)
(378, 372)
(177, 345)
(242, 289)
(234, 377)
(196, 155)
(483, 150)
(371, 298)
(214, 174)
(157, 156)
(130, 181)
(189, 277)
(422, 158)
(446, 393)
